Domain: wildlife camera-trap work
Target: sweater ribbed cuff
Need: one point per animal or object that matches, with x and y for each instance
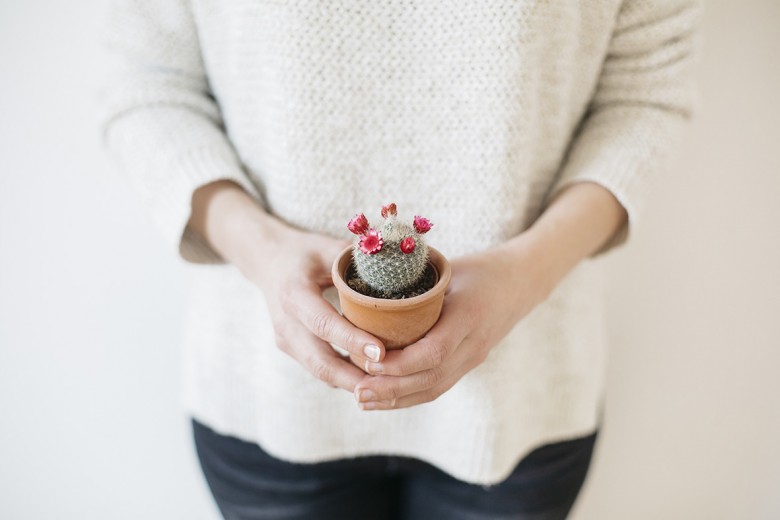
(195, 169)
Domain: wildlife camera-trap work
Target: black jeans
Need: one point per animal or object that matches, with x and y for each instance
(247, 483)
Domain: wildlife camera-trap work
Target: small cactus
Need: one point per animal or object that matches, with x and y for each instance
(392, 257)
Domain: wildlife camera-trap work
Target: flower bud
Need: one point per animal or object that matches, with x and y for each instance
(407, 245)
(390, 209)
(358, 225)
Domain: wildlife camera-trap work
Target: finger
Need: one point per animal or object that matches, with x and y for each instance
(331, 250)
(414, 399)
(322, 319)
(327, 252)
(360, 362)
(323, 362)
(429, 352)
(389, 388)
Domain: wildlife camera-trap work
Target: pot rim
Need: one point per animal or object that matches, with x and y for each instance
(439, 261)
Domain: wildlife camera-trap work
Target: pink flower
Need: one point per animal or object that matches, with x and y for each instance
(371, 243)
(422, 224)
(358, 225)
(390, 209)
(407, 245)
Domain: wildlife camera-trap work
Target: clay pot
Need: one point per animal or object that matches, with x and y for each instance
(397, 323)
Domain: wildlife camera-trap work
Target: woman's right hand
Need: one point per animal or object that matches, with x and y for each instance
(292, 268)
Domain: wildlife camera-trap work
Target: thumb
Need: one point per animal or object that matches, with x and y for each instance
(331, 250)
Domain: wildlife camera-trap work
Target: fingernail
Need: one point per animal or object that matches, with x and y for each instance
(364, 394)
(371, 352)
(375, 368)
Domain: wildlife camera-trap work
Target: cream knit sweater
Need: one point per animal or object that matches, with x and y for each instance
(473, 113)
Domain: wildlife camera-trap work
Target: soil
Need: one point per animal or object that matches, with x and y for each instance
(425, 284)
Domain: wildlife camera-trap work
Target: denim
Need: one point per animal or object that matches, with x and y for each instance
(247, 483)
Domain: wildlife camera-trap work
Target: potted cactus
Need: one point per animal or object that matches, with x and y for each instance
(390, 282)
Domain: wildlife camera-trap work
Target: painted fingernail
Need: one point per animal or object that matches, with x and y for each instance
(375, 368)
(364, 395)
(371, 352)
(377, 405)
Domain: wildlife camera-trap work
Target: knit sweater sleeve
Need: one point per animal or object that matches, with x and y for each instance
(642, 101)
(160, 120)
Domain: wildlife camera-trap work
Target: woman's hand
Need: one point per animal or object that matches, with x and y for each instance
(292, 268)
(489, 293)
(293, 280)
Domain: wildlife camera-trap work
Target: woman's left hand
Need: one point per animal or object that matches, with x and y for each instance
(488, 294)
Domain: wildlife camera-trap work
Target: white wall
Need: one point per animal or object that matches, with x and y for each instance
(693, 411)
(90, 306)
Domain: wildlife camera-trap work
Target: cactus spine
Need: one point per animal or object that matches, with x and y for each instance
(393, 257)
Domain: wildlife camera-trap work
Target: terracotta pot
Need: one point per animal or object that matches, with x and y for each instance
(397, 323)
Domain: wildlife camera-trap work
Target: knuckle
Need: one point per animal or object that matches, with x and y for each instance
(281, 342)
(322, 325)
(437, 354)
(280, 335)
(430, 378)
(391, 393)
(482, 352)
(321, 370)
(479, 349)
(433, 394)
(349, 340)
(281, 328)
(285, 301)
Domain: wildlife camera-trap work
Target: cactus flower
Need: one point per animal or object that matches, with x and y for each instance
(407, 245)
(390, 209)
(372, 242)
(359, 224)
(422, 225)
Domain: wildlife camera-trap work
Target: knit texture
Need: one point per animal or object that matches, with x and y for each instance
(475, 114)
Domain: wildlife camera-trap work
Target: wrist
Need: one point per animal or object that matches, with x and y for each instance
(234, 224)
(531, 262)
(579, 221)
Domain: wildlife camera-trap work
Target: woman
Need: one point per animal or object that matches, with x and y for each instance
(525, 130)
